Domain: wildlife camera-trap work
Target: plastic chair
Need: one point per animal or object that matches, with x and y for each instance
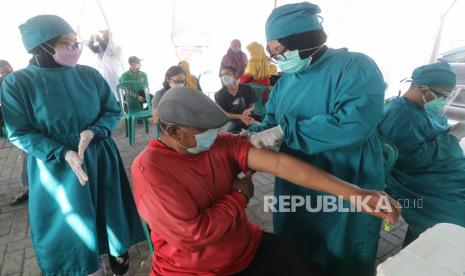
(259, 105)
(132, 107)
(147, 235)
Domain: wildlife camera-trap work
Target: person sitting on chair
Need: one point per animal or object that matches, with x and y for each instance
(238, 100)
(134, 74)
(186, 188)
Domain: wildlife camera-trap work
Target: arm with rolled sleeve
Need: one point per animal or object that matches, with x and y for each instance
(357, 104)
(21, 131)
(172, 209)
(110, 110)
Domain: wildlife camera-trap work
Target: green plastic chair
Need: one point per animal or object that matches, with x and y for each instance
(147, 235)
(5, 133)
(132, 108)
(259, 105)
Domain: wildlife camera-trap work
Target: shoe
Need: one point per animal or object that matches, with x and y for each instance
(21, 197)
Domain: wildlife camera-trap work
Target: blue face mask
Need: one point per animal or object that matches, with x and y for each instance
(291, 63)
(204, 140)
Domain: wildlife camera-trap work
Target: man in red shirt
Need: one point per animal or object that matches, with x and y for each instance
(186, 188)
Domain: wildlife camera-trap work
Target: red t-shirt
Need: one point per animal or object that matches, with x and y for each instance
(199, 226)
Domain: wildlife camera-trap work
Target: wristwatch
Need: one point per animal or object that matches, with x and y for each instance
(247, 197)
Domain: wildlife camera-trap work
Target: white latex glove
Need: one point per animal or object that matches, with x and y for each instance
(458, 130)
(75, 163)
(86, 137)
(246, 133)
(267, 138)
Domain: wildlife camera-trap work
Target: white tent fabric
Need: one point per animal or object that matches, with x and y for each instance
(398, 34)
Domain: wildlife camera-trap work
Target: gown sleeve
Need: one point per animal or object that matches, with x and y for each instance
(405, 130)
(356, 108)
(110, 110)
(20, 129)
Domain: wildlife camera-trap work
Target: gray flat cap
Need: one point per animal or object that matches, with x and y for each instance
(187, 107)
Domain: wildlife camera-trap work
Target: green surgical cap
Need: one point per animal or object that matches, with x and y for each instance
(292, 19)
(439, 74)
(42, 28)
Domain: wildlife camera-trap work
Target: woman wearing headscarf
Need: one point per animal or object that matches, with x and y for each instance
(174, 77)
(326, 107)
(62, 114)
(258, 68)
(191, 81)
(235, 58)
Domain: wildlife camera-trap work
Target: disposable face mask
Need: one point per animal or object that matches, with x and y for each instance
(435, 106)
(204, 140)
(291, 63)
(235, 50)
(65, 56)
(227, 80)
(173, 85)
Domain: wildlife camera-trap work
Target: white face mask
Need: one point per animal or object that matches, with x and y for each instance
(173, 85)
(227, 80)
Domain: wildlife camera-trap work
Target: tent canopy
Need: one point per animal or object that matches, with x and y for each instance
(399, 35)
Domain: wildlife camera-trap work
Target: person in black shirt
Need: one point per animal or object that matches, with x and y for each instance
(238, 100)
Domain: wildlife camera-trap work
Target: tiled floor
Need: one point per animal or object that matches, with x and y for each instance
(16, 253)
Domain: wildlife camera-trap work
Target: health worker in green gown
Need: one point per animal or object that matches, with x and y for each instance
(429, 176)
(62, 114)
(326, 107)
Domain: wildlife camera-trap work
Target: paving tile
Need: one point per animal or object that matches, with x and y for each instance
(31, 268)
(13, 262)
(12, 237)
(21, 244)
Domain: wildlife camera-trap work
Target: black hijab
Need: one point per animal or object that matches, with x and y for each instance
(44, 58)
(304, 41)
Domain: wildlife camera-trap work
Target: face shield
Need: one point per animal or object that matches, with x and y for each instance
(442, 98)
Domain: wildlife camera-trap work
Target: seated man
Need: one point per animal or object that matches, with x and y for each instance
(136, 75)
(186, 189)
(430, 172)
(238, 100)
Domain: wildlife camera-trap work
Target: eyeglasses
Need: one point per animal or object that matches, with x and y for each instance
(178, 81)
(70, 44)
(274, 58)
(442, 95)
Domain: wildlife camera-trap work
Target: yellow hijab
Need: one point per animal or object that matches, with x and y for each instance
(258, 66)
(191, 81)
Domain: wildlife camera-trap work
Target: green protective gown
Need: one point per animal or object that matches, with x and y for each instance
(329, 114)
(429, 176)
(45, 111)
